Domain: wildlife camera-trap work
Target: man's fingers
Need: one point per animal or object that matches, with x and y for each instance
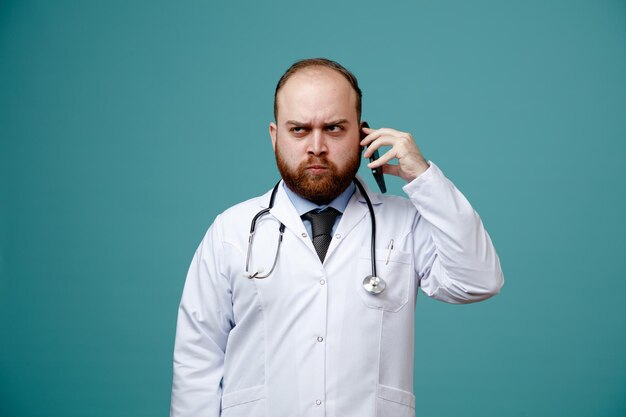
(381, 141)
(411, 162)
(373, 134)
(386, 157)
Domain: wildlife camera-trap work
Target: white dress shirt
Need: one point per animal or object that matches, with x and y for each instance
(309, 340)
(302, 205)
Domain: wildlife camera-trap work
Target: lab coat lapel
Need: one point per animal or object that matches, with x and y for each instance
(286, 213)
(355, 213)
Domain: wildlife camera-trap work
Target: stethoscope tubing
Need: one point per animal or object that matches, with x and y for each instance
(373, 220)
(281, 231)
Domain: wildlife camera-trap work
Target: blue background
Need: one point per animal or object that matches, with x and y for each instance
(125, 128)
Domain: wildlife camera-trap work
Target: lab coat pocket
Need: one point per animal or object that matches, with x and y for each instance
(394, 267)
(249, 402)
(393, 402)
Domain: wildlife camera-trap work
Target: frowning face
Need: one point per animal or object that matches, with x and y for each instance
(316, 134)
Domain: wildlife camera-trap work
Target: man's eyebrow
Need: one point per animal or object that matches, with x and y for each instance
(296, 123)
(334, 122)
(337, 122)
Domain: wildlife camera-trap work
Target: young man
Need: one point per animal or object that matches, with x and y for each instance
(291, 322)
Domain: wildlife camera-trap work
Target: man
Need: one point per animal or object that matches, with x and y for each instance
(290, 326)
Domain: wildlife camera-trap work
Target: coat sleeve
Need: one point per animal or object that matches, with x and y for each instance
(456, 261)
(205, 318)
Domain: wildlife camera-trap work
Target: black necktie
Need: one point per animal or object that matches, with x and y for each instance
(322, 223)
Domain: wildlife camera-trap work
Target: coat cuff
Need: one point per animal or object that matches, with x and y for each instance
(432, 173)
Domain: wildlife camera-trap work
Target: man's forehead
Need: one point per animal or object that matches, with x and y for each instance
(329, 115)
(315, 71)
(315, 76)
(318, 93)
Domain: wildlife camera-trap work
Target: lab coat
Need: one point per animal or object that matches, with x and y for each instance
(309, 340)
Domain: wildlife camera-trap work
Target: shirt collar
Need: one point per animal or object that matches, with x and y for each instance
(302, 205)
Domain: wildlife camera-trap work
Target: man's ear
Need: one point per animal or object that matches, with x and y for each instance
(361, 133)
(273, 129)
(361, 126)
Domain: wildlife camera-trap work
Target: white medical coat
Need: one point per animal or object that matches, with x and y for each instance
(309, 340)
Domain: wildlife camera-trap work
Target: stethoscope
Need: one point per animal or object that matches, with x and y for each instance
(373, 284)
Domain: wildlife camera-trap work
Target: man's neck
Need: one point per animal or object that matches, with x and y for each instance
(303, 205)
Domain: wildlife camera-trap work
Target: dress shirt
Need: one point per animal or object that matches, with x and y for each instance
(302, 205)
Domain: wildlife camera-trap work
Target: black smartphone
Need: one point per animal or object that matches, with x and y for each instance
(378, 172)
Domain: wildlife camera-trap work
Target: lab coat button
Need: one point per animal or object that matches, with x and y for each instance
(320, 339)
(322, 282)
(318, 402)
(303, 234)
(337, 236)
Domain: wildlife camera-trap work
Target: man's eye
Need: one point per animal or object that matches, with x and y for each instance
(297, 129)
(333, 128)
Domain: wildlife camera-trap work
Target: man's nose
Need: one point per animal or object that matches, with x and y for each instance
(317, 145)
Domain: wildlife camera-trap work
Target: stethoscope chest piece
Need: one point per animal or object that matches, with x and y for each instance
(374, 285)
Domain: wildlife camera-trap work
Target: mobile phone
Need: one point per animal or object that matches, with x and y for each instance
(377, 172)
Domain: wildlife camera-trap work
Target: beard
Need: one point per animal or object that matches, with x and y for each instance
(318, 188)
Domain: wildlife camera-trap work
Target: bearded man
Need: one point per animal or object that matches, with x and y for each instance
(301, 302)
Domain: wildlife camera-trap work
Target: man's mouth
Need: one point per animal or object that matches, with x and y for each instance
(317, 169)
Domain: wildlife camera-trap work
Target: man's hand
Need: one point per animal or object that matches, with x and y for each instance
(411, 163)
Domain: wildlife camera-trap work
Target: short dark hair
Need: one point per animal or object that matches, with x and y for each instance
(319, 62)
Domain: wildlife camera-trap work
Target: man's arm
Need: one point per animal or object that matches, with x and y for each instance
(456, 261)
(205, 318)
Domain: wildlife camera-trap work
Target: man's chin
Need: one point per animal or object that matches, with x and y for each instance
(315, 177)
(321, 189)
(319, 186)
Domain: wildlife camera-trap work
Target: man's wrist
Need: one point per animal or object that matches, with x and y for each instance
(421, 167)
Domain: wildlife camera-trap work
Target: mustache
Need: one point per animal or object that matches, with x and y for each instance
(317, 160)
